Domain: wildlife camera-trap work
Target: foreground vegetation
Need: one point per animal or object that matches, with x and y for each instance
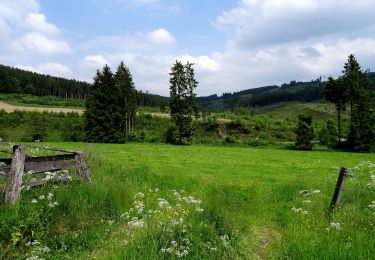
(264, 126)
(159, 201)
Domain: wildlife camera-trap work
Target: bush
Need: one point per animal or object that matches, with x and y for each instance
(171, 135)
(328, 134)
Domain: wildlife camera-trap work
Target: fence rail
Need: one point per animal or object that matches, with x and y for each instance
(14, 169)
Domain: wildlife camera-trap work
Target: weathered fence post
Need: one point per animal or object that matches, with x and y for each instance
(13, 188)
(82, 169)
(344, 172)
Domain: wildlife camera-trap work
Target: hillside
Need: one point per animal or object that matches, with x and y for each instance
(310, 91)
(18, 81)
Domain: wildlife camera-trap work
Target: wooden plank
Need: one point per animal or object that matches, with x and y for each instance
(45, 166)
(59, 157)
(336, 198)
(13, 188)
(82, 169)
(53, 149)
(58, 178)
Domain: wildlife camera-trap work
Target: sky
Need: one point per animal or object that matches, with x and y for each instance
(234, 44)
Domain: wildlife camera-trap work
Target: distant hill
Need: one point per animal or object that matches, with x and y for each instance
(265, 96)
(14, 80)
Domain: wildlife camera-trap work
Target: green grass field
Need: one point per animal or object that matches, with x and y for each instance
(155, 201)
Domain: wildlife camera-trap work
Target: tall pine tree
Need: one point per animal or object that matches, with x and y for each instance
(127, 98)
(110, 106)
(336, 92)
(182, 100)
(362, 104)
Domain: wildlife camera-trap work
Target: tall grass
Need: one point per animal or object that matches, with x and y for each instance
(240, 206)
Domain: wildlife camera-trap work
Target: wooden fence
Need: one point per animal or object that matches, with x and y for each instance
(14, 169)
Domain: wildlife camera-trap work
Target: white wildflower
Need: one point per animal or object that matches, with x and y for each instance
(162, 203)
(42, 197)
(336, 226)
(50, 195)
(306, 201)
(225, 239)
(198, 209)
(136, 223)
(110, 222)
(34, 201)
(315, 191)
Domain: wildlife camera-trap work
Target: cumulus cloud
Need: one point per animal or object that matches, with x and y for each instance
(161, 37)
(258, 23)
(25, 32)
(50, 68)
(38, 22)
(38, 43)
(155, 40)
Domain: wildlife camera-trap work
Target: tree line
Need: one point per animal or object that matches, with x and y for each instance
(18, 81)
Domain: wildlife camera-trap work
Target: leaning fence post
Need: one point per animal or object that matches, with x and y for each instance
(336, 198)
(82, 169)
(13, 188)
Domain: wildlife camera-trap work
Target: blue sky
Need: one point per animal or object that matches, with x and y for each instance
(235, 44)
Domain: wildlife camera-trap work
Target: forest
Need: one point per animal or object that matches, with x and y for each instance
(18, 81)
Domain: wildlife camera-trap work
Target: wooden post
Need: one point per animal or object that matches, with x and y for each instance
(13, 188)
(344, 172)
(82, 170)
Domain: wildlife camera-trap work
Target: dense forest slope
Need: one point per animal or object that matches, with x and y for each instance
(269, 95)
(14, 80)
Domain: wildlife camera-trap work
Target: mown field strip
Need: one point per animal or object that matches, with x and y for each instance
(11, 108)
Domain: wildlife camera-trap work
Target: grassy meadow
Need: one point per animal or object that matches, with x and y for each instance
(158, 201)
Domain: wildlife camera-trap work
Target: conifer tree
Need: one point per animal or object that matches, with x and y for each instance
(111, 106)
(362, 104)
(336, 92)
(100, 107)
(182, 100)
(127, 98)
(304, 133)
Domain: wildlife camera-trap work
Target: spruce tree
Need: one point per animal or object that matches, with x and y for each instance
(127, 98)
(111, 106)
(336, 92)
(362, 104)
(304, 133)
(182, 100)
(100, 108)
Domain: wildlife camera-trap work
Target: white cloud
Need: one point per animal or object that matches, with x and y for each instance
(38, 43)
(37, 22)
(50, 68)
(26, 33)
(161, 37)
(155, 40)
(267, 22)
